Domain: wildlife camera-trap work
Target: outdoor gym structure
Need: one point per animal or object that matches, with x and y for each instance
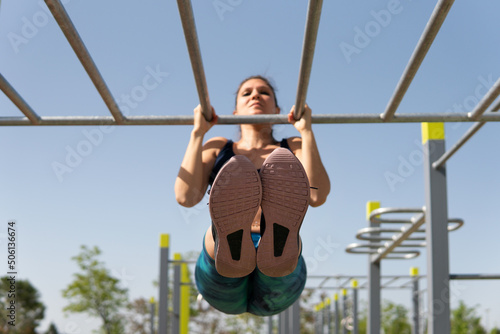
(434, 214)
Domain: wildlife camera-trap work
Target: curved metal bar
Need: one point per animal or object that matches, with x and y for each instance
(189, 27)
(11, 93)
(395, 255)
(377, 212)
(309, 44)
(353, 248)
(83, 55)
(432, 28)
(368, 230)
(458, 224)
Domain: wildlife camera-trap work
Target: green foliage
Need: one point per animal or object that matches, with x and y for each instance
(29, 310)
(395, 319)
(465, 321)
(495, 331)
(95, 292)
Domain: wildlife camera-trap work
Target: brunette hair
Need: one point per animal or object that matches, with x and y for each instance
(260, 77)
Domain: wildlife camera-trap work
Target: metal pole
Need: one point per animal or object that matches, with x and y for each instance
(83, 55)
(184, 299)
(295, 317)
(308, 46)
(252, 119)
(486, 101)
(436, 215)
(337, 313)
(345, 315)
(431, 30)
(270, 325)
(321, 318)
(11, 93)
(373, 281)
(355, 329)
(328, 316)
(415, 301)
(152, 309)
(163, 291)
(188, 24)
(176, 296)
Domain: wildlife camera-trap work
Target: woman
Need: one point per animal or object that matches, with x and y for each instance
(245, 265)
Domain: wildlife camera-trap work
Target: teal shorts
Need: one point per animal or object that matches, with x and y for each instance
(256, 293)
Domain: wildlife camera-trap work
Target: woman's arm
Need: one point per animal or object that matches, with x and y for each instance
(306, 150)
(192, 180)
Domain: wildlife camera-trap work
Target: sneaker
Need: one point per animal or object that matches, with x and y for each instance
(234, 201)
(285, 200)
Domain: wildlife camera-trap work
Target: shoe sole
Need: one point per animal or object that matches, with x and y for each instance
(285, 200)
(235, 199)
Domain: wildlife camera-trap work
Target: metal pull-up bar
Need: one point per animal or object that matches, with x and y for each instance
(69, 30)
(309, 44)
(11, 93)
(436, 20)
(187, 18)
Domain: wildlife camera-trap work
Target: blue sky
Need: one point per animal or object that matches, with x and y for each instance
(117, 189)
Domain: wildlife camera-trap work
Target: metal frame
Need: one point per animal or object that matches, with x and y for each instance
(186, 13)
(435, 176)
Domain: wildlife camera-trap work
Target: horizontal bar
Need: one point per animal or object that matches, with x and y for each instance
(253, 119)
(69, 30)
(308, 46)
(486, 101)
(189, 27)
(432, 28)
(448, 154)
(386, 250)
(14, 96)
(474, 276)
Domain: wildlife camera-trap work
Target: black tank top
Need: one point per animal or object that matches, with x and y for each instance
(226, 153)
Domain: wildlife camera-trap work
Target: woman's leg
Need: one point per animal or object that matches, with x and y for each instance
(226, 294)
(272, 295)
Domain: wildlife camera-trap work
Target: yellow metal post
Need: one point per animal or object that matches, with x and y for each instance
(184, 316)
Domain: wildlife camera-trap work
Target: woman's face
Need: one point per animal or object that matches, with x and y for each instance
(255, 97)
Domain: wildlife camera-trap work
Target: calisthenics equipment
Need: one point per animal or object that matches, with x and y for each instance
(434, 174)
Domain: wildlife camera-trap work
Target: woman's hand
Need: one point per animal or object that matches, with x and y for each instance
(304, 123)
(201, 125)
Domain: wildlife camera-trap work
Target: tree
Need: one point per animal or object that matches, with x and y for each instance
(465, 321)
(95, 292)
(139, 316)
(19, 304)
(394, 319)
(52, 329)
(495, 331)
